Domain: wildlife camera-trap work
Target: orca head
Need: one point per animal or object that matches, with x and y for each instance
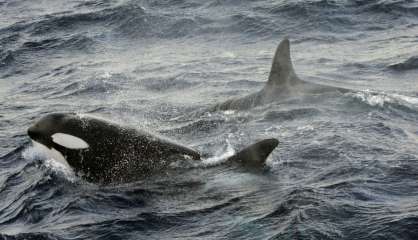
(57, 129)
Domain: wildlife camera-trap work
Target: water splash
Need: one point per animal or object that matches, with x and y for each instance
(219, 157)
(41, 153)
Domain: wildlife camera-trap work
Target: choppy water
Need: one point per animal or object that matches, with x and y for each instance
(347, 165)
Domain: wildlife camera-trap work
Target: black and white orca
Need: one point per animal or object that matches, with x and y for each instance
(104, 152)
(282, 82)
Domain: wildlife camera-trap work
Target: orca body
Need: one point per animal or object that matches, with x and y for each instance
(282, 83)
(104, 152)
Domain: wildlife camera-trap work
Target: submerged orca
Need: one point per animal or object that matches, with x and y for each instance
(282, 82)
(104, 152)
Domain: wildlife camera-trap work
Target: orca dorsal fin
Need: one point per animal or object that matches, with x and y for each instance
(256, 154)
(282, 72)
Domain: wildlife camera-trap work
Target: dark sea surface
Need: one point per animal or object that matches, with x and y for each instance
(347, 163)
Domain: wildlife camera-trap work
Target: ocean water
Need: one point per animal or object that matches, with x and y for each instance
(347, 163)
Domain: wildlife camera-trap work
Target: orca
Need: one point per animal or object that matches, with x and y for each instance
(282, 82)
(104, 152)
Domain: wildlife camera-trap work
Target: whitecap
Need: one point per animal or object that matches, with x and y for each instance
(219, 157)
(39, 152)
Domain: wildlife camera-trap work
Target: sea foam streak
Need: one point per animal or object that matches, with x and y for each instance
(380, 99)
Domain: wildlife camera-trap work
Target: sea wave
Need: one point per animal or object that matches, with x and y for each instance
(376, 99)
(345, 168)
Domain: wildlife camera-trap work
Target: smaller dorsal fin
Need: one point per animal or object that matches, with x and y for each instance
(256, 154)
(282, 72)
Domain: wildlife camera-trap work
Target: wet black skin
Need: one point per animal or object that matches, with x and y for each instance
(119, 154)
(115, 153)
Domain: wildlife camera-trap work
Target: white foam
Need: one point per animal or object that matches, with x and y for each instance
(229, 112)
(51, 158)
(106, 75)
(411, 100)
(369, 98)
(305, 128)
(380, 99)
(221, 157)
(34, 152)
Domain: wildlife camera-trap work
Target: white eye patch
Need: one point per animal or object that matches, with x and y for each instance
(69, 141)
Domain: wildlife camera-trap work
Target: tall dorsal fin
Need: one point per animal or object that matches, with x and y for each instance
(282, 72)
